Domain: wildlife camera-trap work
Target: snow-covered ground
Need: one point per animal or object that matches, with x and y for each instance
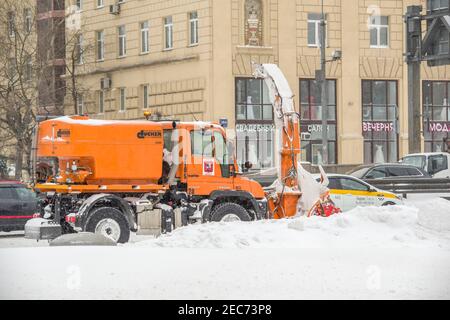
(400, 252)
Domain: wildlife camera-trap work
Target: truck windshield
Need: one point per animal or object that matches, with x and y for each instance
(416, 161)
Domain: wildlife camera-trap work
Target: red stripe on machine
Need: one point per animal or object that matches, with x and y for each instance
(16, 217)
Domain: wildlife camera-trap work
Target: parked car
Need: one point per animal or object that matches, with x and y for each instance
(18, 204)
(348, 192)
(436, 163)
(388, 171)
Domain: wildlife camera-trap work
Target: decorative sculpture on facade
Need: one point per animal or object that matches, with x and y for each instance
(253, 23)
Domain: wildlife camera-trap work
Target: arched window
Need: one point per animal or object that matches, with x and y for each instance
(253, 23)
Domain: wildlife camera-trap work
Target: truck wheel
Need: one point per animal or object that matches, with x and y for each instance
(109, 222)
(229, 212)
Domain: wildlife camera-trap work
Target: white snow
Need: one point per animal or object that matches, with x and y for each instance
(398, 252)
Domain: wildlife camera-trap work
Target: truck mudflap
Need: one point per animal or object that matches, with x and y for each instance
(42, 229)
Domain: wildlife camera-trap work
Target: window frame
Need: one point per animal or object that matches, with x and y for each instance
(100, 41)
(388, 140)
(263, 137)
(304, 123)
(145, 100)
(168, 33)
(316, 21)
(193, 29)
(101, 102)
(433, 139)
(122, 37)
(378, 28)
(122, 100)
(144, 34)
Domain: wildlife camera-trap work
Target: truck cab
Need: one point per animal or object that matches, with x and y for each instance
(435, 163)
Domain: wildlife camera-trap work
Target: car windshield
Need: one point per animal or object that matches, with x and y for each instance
(416, 161)
(359, 173)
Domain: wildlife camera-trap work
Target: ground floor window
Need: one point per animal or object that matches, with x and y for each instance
(380, 121)
(254, 124)
(311, 121)
(436, 105)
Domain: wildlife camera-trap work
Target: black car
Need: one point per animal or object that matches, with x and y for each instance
(18, 204)
(388, 170)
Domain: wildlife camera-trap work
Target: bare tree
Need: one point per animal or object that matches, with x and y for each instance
(24, 69)
(79, 53)
(19, 74)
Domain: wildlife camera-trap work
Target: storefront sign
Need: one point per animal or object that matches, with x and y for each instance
(313, 131)
(378, 126)
(254, 127)
(439, 127)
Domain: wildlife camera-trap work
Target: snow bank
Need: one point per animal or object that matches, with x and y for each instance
(399, 252)
(370, 227)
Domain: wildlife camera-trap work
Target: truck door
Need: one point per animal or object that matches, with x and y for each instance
(209, 170)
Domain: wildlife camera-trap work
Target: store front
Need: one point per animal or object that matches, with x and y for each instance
(311, 121)
(255, 129)
(380, 121)
(436, 110)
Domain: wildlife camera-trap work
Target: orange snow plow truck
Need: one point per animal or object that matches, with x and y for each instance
(117, 177)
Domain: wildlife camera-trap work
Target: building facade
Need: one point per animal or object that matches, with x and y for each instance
(192, 60)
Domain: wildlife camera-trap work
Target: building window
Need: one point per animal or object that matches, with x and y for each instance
(28, 68)
(380, 121)
(122, 41)
(28, 19)
(443, 45)
(123, 98)
(145, 96)
(79, 50)
(168, 33)
(100, 3)
(379, 32)
(101, 102)
(254, 123)
(100, 45)
(193, 28)
(145, 48)
(436, 105)
(11, 24)
(80, 104)
(314, 29)
(311, 121)
(437, 5)
(79, 5)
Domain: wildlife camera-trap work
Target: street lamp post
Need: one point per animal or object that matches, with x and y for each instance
(321, 79)
(323, 86)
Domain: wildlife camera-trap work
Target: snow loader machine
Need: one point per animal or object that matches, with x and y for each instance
(117, 177)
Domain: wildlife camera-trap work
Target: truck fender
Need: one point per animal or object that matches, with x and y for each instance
(90, 203)
(260, 206)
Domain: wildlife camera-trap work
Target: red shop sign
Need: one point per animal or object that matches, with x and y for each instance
(439, 127)
(378, 126)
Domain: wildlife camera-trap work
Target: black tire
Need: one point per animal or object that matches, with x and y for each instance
(227, 208)
(102, 213)
(388, 203)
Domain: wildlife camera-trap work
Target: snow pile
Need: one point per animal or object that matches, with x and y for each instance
(374, 227)
(399, 252)
(434, 214)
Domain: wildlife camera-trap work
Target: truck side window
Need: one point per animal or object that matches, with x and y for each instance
(201, 144)
(168, 144)
(221, 148)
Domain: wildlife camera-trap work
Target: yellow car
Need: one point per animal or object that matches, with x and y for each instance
(348, 192)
